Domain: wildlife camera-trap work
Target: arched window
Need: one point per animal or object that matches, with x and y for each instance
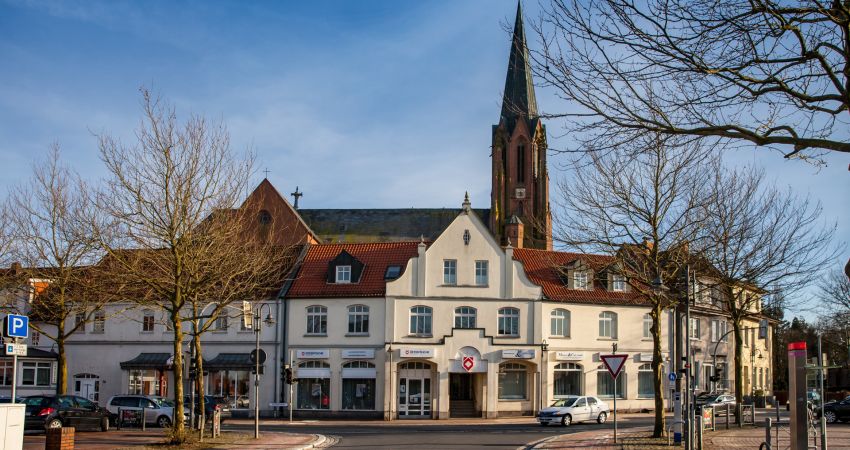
(560, 323)
(508, 322)
(465, 317)
(314, 365)
(317, 320)
(512, 381)
(605, 384)
(646, 387)
(520, 163)
(420, 320)
(358, 365)
(414, 365)
(608, 325)
(568, 379)
(264, 217)
(647, 326)
(358, 319)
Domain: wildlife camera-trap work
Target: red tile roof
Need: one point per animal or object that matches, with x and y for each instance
(545, 268)
(311, 281)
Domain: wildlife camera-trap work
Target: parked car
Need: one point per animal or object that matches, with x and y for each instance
(57, 411)
(158, 410)
(574, 409)
(837, 410)
(9, 399)
(715, 400)
(211, 403)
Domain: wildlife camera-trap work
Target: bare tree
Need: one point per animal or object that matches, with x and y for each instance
(835, 292)
(764, 72)
(759, 240)
(640, 205)
(182, 240)
(55, 275)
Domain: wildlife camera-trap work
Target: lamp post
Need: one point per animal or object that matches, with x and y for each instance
(269, 321)
(544, 348)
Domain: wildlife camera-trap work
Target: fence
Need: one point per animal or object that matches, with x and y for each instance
(130, 417)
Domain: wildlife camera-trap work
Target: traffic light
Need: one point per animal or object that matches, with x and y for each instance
(288, 373)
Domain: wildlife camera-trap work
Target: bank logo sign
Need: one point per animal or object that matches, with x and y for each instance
(417, 352)
(468, 363)
(313, 354)
(518, 354)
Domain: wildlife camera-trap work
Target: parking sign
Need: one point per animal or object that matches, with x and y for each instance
(15, 326)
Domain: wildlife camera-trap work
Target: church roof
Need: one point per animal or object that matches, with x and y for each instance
(382, 225)
(519, 99)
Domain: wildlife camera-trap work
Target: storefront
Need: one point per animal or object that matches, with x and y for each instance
(147, 374)
(230, 378)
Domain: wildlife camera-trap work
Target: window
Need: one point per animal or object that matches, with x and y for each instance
(560, 320)
(35, 338)
(358, 385)
(718, 330)
(144, 382)
(449, 271)
(508, 322)
(646, 386)
(233, 385)
(605, 384)
(221, 322)
(343, 274)
(465, 317)
(99, 325)
(618, 282)
(314, 392)
(358, 319)
(392, 272)
(520, 163)
(79, 322)
(36, 374)
(580, 280)
(647, 326)
(481, 269)
(147, 321)
(512, 381)
(608, 325)
(693, 329)
(317, 320)
(420, 320)
(6, 372)
(265, 217)
(568, 378)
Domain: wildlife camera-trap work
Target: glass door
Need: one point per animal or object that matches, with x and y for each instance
(414, 397)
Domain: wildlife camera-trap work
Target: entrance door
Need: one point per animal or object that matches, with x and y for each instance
(414, 397)
(87, 387)
(460, 386)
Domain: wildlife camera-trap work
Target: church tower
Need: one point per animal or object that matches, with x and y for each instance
(520, 192)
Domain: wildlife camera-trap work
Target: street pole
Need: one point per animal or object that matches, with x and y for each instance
(614, 352)
(14, 371)
(822, 398)
(257, 375)
(291, 390)
(689, 436)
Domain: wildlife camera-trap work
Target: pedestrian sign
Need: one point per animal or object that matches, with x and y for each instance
(15, 326)
(614, 363)
(671, 376)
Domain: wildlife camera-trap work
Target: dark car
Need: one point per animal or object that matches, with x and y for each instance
(57, 411)
(837, 410)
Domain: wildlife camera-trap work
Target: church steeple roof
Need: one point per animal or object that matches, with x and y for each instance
(519, 99)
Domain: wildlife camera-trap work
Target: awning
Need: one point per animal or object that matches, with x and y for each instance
(226, 361)
(148, 361)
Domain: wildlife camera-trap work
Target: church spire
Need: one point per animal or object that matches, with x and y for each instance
(519, 99)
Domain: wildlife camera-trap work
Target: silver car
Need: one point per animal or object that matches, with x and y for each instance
(574, 409)
(158, 410)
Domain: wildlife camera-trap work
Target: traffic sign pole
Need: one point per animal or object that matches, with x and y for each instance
(14, 371)
(615, 407)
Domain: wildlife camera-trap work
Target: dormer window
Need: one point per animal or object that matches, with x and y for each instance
(343, 274)
(618, 283)
(392, 272)
(580, 280)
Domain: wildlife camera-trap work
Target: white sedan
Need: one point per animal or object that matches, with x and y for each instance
(574, 409)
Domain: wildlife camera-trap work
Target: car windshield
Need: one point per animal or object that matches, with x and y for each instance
(37, 401)
(706, 396)
(160, 402)
(564, 402)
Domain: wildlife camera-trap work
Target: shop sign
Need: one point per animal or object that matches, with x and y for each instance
(644, 357)
(417, 352)
(359, 353)
(569, 356)
(518, 354)
(313, 354)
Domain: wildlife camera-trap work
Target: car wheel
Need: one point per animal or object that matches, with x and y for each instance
(830, 416)
(163, 422)
(602, 417)
(566, 420)
(104, 424)
(53, 423)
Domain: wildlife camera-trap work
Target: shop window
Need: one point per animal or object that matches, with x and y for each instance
(568, 379)
(608, 325)
(481, 273)
(647, 326)
(313, 392)
(646, 387)
(420, 320)
(508, 322)
(465, 317)
(358, 393)
(317, 320)
(36, 374)
(560, 321)
(605, 384)
(358, 319)
(232, 386)
(144, 382)
(512, 381)
(6, 370)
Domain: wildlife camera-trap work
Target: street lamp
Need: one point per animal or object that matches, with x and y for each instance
(269, 321)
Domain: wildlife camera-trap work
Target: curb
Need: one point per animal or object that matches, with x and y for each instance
(318, 441)
(533, 444)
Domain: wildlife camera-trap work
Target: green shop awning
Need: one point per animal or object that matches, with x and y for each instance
(147, 361)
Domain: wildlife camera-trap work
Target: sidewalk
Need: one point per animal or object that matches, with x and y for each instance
(637, 438)
(141, 439)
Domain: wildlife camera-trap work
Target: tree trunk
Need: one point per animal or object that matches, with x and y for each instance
(199, 361)
(178, 434)
(739, 380)
(657, 372)
(61, 361)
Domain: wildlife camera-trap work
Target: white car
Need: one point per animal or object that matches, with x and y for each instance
(574, 409)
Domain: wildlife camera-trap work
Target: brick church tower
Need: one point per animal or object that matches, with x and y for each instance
(520, 193)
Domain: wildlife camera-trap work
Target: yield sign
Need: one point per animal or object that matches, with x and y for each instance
(614, 363)
(468, 363)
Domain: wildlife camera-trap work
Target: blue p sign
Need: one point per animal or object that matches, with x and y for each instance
(15, 326)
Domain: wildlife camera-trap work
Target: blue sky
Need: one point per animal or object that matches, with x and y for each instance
(360, 103)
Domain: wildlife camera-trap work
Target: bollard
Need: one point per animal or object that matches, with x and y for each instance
(700, 424)
(767, 426)
(727, 416)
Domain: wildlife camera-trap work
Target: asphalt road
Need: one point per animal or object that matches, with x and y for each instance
(443, 435)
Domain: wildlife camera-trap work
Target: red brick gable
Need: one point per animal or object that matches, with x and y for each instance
(312, 278)
(545, 268)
